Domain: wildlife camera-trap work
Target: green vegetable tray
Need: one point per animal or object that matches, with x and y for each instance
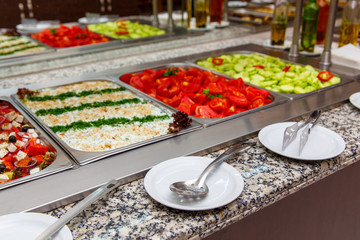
(271, 73)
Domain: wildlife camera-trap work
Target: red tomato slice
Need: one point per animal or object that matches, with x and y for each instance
(239, 101)
(256, 102)
(205, 112)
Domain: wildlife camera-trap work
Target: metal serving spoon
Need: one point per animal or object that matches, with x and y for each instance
(50, 231)
(198, 187)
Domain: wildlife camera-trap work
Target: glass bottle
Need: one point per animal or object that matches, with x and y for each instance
(279, 22)
(349, 29)
(309, 26)
(322, 22)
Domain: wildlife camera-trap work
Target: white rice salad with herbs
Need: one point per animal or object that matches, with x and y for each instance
(13, 45)
(97, 116)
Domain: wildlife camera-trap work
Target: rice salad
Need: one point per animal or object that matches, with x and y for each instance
(96, 116)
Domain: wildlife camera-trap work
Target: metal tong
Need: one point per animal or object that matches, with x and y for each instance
(290, 132)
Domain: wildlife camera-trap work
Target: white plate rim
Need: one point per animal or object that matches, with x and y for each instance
(153, 194)
(335, 135)
(317, 52)
(287, 44)
(355, 99)
(63, 233)
(208, 27)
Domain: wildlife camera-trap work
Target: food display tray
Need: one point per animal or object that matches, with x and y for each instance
(146, 22)
(14, 57)
(277, 99)
(85, 157)
(344, 80)
(61, 162)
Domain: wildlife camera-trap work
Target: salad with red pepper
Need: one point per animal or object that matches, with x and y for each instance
(197, 92)
(21, 151)
(65, 36)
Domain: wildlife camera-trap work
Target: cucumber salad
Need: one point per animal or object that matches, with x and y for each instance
(271, 73)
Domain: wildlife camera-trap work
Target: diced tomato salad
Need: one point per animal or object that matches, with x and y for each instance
(197, 92)
(65, 36)
(21, 151)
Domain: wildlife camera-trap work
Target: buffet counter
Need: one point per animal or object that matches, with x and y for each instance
(130, 213)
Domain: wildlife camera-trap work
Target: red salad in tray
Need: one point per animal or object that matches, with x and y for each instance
(21, 151)
(65, 36)
(197, 92)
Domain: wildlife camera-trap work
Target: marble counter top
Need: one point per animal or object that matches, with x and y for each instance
(129, 213)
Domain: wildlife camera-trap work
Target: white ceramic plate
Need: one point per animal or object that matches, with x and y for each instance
(225, 183)
(267, 43)
(355, 99)
(20, 226)
(322, 143)
(85, 20)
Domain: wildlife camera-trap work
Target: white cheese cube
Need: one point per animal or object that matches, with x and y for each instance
(30, 130)
(4, 145)
(6, 126)
(25, 140)
(19, 118)
(10, 116)
(4, 176)
(3, 152)
(19, 143)
(34, 170)
(15, 124)
(20, 155)
(4, 136)
(11, 148)
(34, 135)
(12, 133)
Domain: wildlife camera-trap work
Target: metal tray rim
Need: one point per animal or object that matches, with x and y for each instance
(84, 157)
(278, 99)
(61, 162)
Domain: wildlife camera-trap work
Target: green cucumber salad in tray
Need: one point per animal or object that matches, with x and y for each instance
(271, 73)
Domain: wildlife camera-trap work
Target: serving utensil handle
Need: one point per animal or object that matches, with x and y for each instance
(73, 212)
(225, 155)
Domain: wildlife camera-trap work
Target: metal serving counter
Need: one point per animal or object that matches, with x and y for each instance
(68, 186)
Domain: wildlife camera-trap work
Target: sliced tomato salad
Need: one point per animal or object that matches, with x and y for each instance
(198, 93)
(21, 151)
(65, 36)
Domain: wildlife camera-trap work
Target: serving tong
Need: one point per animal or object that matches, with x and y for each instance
(290, 132)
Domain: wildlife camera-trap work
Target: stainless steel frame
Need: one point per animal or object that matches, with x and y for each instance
(68, 186)
(277, 99)
(83, 157)
(61, 162)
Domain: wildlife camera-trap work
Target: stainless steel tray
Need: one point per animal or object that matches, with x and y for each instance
(46, 50)
(61, 162)
(344, 80)
(277, 99)
(145, 22)
(85, 157)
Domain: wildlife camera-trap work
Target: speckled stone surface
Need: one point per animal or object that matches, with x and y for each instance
(129, 213)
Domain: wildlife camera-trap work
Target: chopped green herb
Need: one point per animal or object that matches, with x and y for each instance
(171, 72)
(58, 111)
(110, 122)
(63, 96)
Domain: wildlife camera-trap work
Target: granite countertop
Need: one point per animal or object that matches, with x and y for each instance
(130, 213)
